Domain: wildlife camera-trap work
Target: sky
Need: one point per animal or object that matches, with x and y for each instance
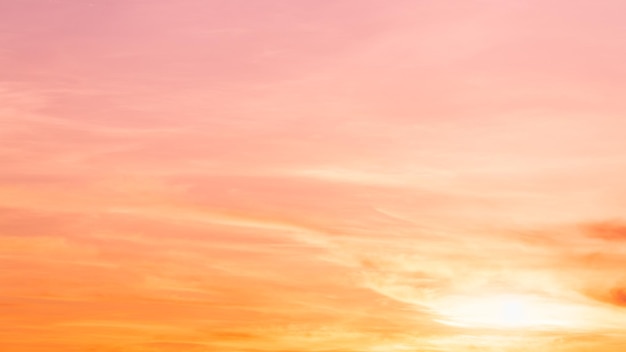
(312, 176)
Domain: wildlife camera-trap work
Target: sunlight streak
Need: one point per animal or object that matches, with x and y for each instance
(507, 311)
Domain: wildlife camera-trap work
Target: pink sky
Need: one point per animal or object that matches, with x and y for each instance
(312, 176)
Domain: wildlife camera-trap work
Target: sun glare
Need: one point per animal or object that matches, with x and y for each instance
(504, 311)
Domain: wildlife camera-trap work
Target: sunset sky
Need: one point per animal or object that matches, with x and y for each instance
(312, 176)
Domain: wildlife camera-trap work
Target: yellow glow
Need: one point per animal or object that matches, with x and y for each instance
(505, 311)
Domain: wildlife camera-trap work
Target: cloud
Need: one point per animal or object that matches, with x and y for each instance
(615, 296)
(612, 231)
(307, 176)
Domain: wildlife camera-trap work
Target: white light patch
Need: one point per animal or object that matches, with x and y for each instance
(505, 311)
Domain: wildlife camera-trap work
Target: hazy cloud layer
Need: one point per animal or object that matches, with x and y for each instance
(304, 176)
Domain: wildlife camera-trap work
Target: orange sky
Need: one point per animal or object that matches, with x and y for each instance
(312, 176)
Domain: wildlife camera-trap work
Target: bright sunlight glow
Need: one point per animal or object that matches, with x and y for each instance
(504, 311)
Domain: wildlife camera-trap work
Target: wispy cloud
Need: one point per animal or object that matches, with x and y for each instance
(306, 176)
